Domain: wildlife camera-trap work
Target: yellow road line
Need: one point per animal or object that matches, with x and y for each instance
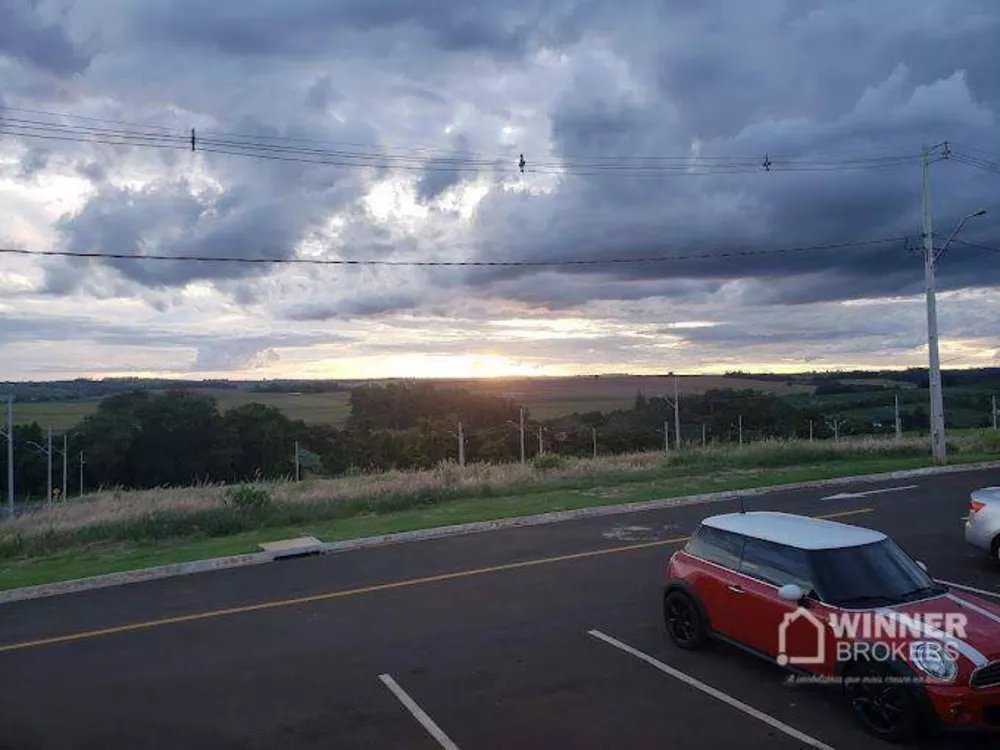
(344, 593)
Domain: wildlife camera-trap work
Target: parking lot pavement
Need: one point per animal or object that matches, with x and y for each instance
(489, 636)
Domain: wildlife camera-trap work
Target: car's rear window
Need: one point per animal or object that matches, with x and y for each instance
(720, 547)
(776, 564)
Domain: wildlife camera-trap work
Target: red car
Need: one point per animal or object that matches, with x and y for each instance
(837, 603)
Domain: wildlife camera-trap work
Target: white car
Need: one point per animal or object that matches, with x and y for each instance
(982, 525)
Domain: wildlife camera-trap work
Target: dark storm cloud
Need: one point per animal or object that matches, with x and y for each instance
(308, 28)
(610, 214)
(443, 172)
(77, 328)
(355, 307)
(598, 81)
(27, 37)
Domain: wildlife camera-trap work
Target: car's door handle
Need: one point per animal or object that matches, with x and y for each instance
(736, 589)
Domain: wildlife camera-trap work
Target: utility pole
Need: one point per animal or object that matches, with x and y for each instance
(703, 431)
(994, 412)
(740, 421)
(297, 464)
(594, 432)
(461, 446)
(677, 417)
(522, 435)
(899, 423)
(10, 456)
(810, 430)
(541, 448)
(666, 437)
(65, 456)
(938, 443)
(49, 454)
(82, 462)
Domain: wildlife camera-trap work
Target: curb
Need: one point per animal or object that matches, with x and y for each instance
(256, 558)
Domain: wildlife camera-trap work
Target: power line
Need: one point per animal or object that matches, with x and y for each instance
(984, 165)
(583, 161)
(458, 263)
(975, 245)
(236, 145)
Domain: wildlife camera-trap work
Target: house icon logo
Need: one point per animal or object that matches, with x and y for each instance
(786, 621)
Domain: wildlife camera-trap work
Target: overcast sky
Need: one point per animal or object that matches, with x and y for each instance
(644, 125)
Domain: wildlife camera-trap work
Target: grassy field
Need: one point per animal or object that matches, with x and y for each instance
(545, 398)
(115, 531)
(312, 408)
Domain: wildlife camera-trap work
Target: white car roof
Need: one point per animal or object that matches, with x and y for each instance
(801, 532)
(987, 494)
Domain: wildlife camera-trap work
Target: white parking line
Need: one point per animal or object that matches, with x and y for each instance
(718, 694)
(973, 589)
(418, 713)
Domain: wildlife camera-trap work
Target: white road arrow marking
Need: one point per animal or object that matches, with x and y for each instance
(847, 495)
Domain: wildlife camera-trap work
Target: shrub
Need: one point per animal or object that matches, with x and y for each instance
(248, 499)
(548, 461)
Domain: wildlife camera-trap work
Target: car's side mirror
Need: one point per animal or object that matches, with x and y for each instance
(791, 593)
(922, 566)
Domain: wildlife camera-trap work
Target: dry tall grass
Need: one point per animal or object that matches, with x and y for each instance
(109, 507)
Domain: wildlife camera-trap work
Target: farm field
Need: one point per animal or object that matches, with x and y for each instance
(312, 408)
(545, 398)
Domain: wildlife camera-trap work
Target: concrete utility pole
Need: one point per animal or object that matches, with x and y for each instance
(82, 462)
(810, 430)
(899, 422)
(541, 447)
(10, 456)
(49, 454)
(522, 435)
(65, 456)
(461, 446)
(677, 416)
(703, 435)
(594, 433)
(297, 464)
(666, 437)
(740, 422)
(938, 440)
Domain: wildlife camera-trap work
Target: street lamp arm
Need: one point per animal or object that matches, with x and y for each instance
(973, 215)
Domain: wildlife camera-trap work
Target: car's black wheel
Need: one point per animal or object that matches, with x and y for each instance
(683, 620)
(995, 549)
(883, 704)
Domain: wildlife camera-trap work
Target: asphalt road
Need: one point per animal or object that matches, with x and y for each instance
(515, 638)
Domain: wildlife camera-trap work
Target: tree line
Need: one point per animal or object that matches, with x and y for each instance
(141, 439)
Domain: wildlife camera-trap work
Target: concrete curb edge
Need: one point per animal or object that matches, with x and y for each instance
(256, 558)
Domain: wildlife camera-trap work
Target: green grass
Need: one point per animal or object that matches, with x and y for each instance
(518, 500)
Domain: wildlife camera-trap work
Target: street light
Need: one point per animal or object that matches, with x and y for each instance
(973, 215)
(938, 442)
